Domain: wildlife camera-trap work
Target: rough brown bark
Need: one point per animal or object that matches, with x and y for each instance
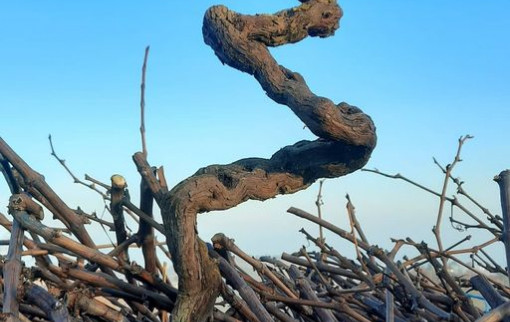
(12, 272)
(199, 278)
(307, 293)
(241, 41)
(146, 231)
(117, 195)
(57, 205)
(12, 268)
(503, 180)
(346, 140)
(28, 222)
(247, 293)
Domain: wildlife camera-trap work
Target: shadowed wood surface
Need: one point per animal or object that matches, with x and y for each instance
(346, 138)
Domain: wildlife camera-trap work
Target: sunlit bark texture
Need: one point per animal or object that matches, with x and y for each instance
(346, 138)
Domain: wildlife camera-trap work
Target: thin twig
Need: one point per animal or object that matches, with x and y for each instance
(319, 203)
(449, 168)
(99, 183)
(76, 180)
(142, 101)
(462, 191)
(350, 213)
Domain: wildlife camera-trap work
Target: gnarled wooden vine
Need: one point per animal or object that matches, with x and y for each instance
(346, 138)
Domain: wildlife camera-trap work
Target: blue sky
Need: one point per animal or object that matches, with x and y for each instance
(427, 72)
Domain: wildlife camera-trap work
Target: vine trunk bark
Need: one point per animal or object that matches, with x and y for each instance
(346, 138)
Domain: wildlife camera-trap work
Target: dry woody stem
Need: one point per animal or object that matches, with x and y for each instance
(72, 278)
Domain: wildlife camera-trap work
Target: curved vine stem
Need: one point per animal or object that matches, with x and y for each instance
(346, 138)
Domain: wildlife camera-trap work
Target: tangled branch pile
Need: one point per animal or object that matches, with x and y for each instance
(72, 279)
(85, 284)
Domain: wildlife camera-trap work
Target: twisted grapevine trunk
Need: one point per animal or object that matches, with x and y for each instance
(346, 138)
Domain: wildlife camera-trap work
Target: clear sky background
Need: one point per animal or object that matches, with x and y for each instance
(427, 72)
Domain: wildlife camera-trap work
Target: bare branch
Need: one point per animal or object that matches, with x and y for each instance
(142, 101)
